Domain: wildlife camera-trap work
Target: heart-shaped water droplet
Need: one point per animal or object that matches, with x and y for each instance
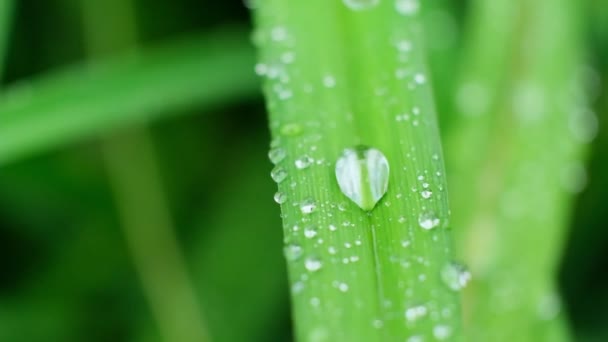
(362, 174)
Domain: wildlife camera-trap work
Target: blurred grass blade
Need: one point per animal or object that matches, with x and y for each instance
(516, 158)
(84, 100)
(6, 15)
(357, 77)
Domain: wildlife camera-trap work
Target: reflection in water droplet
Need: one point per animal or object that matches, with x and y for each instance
(276, 155)
(310, 232)
(362, 174)
(280, 197)
(308, 206)
(455, 275)
(361, 5)
(428, 220)
(303, 162)
(312, 264)
(278, 174)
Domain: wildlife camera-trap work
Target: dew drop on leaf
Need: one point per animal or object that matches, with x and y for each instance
(303, 162)
(308, 206)
(362, 173)
(292, 252)
(278, 174)
(276, 155)
(280, 197)
(428, 220)
(310, 232)
(455, 275)
(312, 264)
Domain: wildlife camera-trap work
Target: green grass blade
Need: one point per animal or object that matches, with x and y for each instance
(516, 158)
(87, 99)
(336, 78)
(6, 15)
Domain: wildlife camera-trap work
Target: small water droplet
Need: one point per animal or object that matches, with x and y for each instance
(313, 264)
(407, 7)
(414, 313)
(455, 275)
(428, 220)
(280, 197)
(278, 174)
(308, 206)
(292, 252)
(442, 332)
(343, 287)
(426, 194)
(276, 155)
(362, 174)
(310, 232)
(304, 162)
(361, 5)
(329, 81)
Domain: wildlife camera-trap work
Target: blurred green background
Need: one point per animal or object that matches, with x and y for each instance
(107, 220)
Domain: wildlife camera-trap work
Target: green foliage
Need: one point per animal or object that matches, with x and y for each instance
(356, 78)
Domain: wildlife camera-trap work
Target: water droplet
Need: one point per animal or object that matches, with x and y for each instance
(310, 232)
(361, 5)
(455, 275)
(428, 220)
(420, 78)
(313, 264)
(407, 7)
(343, 287)
(276, 155)
(292, 252)
(278, 174)
(415, 338)
(308, 206)
(414, 313)
(426, 194)
(442, 332)
(362, 174)
(329, 81)
(304, 162)
(280, 197)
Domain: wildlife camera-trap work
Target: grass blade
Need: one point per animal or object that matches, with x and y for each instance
(6, 15)
(516, 158)
(351, 78)
(87, 99)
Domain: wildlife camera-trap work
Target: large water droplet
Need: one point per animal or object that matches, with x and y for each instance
(428, 220)
(455, 275)
(312, 264)
(362, 174)
(280, 197)
(360, 5)
(278, 174)
(276, 155)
